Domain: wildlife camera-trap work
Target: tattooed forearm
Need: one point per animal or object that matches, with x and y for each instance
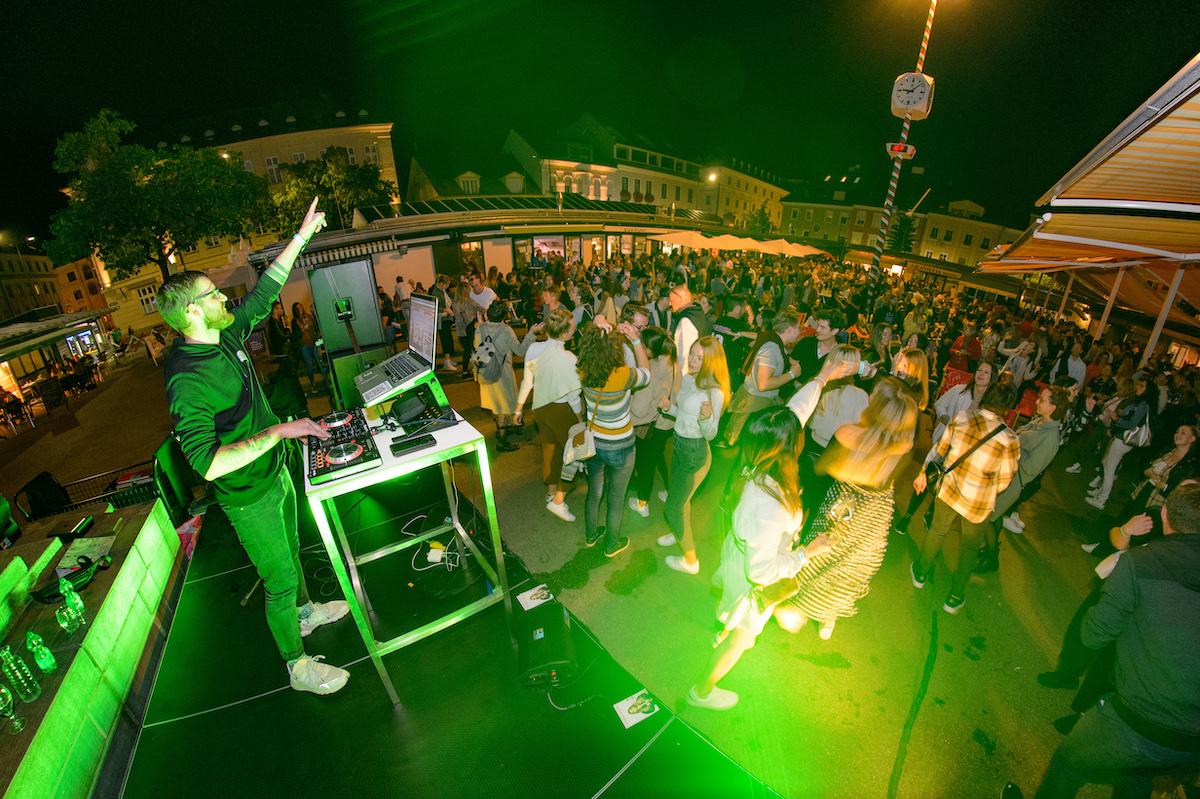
(232, 457)
(245, 451)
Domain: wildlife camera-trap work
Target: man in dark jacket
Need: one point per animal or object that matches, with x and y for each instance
(1151, 609)
(230, 435)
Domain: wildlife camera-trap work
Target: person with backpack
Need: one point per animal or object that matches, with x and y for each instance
(495, 346)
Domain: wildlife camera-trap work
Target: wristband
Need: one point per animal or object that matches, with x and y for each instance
(637, 342)
(303, 241)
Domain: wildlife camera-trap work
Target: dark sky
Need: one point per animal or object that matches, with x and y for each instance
(1025, 88)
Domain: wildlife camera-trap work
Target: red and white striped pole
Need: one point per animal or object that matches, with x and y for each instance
(889, 202)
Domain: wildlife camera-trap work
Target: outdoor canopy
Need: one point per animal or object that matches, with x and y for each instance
(1133, 230)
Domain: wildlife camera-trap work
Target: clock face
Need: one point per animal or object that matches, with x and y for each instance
(910, 90)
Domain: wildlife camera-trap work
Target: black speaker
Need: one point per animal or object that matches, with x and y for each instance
(344, 296)
(545, 651)
(347, 365)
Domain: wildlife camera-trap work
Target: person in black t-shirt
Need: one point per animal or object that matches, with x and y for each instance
(810, 352)
(735, 336)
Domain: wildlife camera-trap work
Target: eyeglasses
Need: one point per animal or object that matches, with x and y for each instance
(206, 294)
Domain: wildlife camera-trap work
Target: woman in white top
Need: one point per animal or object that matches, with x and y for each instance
(760, 548)
(551, 375)
(961, 398)
(703, 395)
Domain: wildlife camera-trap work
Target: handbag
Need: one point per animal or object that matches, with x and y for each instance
(1138, 436)
(581, 443)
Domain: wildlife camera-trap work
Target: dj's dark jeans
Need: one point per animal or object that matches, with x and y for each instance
(267, 529)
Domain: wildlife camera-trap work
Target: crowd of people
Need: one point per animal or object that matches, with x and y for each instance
(820, 381)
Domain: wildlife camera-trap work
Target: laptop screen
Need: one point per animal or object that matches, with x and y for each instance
(422, 326)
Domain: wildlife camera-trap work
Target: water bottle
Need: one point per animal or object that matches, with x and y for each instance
(19, 675)
(42, 655)
(71, 598)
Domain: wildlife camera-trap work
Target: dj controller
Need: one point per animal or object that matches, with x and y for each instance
(350, 448)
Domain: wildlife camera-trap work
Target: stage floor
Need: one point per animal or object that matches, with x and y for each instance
(222, 720)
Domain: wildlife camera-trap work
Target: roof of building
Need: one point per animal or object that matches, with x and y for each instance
(243, 124)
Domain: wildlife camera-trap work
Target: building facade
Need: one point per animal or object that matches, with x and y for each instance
(960, 235)
(27, 281)
(601, 163)
(81, 286)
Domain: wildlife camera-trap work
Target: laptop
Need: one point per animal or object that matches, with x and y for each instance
(404, 370)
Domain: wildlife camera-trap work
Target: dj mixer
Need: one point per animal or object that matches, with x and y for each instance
(350, 448)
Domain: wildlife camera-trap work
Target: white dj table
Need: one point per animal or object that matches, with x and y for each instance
(461, 439)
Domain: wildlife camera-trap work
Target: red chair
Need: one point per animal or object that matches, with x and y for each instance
(952, 378)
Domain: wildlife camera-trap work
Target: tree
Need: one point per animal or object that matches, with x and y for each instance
(760, 220)
(132, 206)
(902, 234)
(341, 185)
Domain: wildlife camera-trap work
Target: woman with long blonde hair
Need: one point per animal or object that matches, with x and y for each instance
(911, 365)
(856, 513)
(703, 395)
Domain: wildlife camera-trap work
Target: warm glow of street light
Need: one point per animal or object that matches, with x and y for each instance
(712, 175)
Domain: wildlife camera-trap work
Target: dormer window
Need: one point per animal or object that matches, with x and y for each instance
(469, 183)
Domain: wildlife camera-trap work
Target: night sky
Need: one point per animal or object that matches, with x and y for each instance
(1025, 88)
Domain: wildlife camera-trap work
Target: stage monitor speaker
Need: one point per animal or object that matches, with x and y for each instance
(347, 365)
(344, 295)
(545, 651)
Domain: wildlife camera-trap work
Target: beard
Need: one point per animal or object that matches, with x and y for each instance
(218, 319)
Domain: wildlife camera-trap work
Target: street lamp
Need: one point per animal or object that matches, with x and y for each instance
(712, 178)
(890, 202)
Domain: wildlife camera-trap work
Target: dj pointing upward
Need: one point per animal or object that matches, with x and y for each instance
(230, 435)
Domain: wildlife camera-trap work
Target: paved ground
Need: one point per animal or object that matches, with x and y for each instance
(905, 700)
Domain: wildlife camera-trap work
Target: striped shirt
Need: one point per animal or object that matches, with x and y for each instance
(971, 487)
(608, 407)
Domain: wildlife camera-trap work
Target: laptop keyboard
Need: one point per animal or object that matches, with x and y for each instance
(399, 369)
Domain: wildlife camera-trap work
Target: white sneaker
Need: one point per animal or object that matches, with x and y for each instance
(679, 563)
(1075, 468)
(323, 613)
(1089, 548)
(1095, 503)
(667, 540)
(310, 674)
(1014, 524)
(1094, 492)
(1096, 481)
(662, 495)
(717, 699)
(640, 508)
(560, 510)
(449, 365)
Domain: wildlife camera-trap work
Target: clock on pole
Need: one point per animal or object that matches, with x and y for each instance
(912, 95)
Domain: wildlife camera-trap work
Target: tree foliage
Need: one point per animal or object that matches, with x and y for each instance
(341, 185)
(902, 234)
(760, 220)
(132, 205)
